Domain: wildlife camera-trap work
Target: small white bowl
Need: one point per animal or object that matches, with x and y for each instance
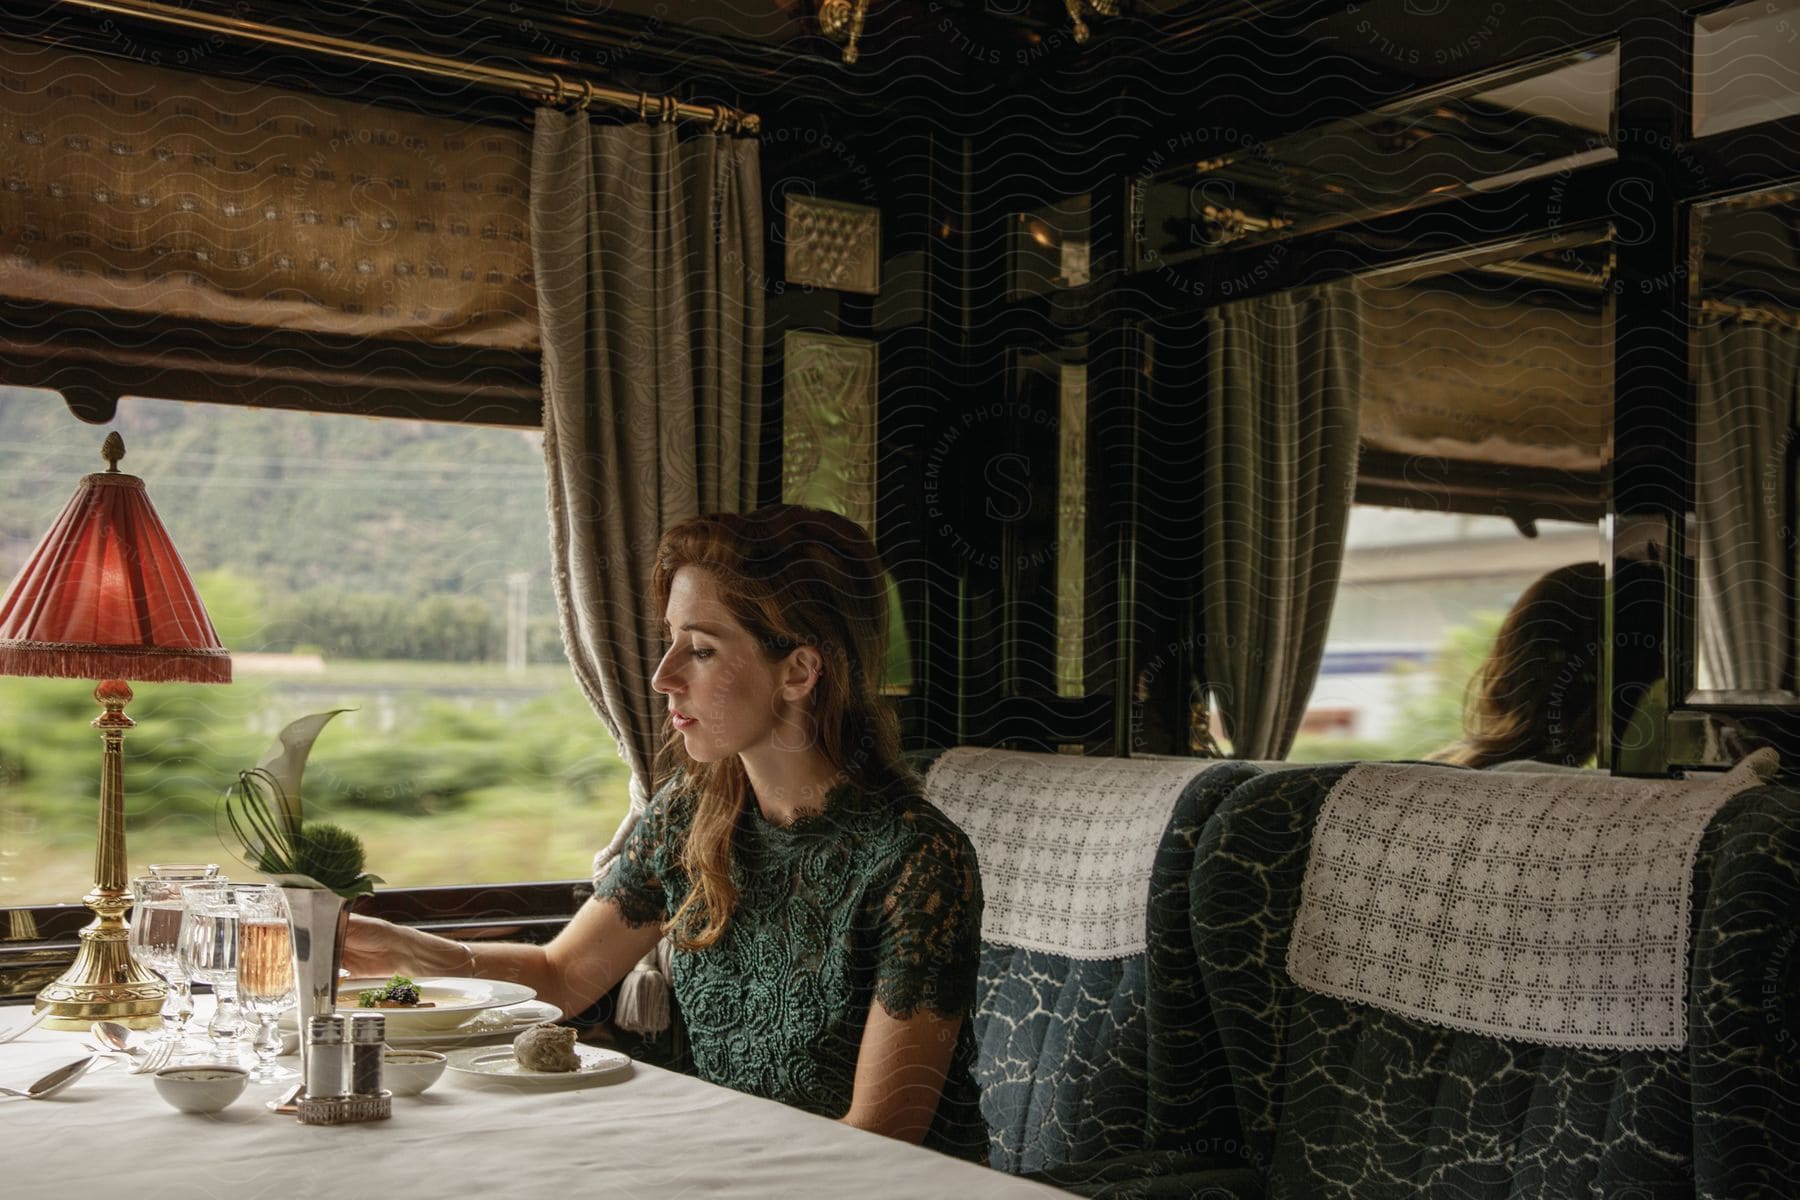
(207, 1088)
(409, 1072)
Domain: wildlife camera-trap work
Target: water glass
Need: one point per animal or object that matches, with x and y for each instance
(186, 871)
(209, 936)
(156, 946)
(265, 972)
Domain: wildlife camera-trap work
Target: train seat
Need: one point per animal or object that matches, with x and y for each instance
(1073, 1062)
(1336, 1099)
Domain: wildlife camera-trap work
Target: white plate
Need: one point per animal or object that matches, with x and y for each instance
(484, 1028)
(494, 1024)
(497, 1068)
(454, 1002)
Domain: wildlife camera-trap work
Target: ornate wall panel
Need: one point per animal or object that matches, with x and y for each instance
(828, 424)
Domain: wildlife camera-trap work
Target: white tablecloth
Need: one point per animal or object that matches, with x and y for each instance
(655, 1136)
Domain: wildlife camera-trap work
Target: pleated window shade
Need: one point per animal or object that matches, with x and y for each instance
(131, 187)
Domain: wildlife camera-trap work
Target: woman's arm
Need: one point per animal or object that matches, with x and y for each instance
(582, 963)
(900, 1070)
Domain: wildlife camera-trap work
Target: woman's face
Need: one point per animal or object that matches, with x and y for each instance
(724, 692)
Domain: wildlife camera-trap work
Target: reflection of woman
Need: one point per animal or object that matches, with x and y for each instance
(1536, 694)
(826, 919)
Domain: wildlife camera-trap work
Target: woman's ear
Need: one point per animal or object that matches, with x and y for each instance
(804, 666)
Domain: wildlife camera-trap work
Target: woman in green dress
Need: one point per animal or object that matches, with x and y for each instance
(825, 919)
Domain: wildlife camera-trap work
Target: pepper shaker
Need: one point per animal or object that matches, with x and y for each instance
(368, 1032)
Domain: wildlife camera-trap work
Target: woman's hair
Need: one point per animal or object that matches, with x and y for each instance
(1536, 694)
(791, 576)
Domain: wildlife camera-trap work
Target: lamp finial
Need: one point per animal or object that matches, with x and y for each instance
(112, 450)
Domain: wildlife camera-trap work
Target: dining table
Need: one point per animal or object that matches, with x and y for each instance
(654, 1134)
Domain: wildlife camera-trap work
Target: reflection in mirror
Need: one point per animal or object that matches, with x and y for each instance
(1497, 130)
(1485, 437)
(1746, 65)
(1048, 250)
(1747, 372)
(1037, 487)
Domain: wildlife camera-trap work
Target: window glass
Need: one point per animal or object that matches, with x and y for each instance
(1421, 597)
(396, 568)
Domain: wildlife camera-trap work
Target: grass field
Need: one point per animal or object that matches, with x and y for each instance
(450, 773)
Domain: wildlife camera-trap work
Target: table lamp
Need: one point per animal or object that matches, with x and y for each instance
(105, 597)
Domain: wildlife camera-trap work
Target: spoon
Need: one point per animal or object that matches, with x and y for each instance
(115, 1035)
(55, 1081)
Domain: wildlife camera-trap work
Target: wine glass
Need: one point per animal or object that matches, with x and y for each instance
(265, 972)
(209, 935)
(156, 945)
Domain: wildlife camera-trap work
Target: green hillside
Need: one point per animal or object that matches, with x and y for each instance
(300, 502)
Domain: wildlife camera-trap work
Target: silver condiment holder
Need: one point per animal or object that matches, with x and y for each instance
(345, 1110)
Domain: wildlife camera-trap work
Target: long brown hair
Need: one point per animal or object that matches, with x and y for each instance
(791, 576)
(1537, 693)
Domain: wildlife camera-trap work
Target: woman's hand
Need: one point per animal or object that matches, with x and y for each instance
(373, 947)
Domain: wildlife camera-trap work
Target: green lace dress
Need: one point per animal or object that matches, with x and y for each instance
(873, 900)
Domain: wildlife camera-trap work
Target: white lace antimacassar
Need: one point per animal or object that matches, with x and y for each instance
(1550, 909)
(1066, 845)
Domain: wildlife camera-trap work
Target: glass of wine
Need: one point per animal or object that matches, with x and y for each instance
(156, 946)
(265, 972)
(209, 936)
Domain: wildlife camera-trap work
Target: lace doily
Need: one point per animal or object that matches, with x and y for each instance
(1066, 844)
(1548, 909)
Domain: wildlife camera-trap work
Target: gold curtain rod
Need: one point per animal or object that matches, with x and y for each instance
(552, 89)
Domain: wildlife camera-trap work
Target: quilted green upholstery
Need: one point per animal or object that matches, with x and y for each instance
(1344, 1101)
(1064, 1046)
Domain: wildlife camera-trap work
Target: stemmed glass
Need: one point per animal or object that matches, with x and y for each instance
(265, 972)
(209, 935)
(156, 945)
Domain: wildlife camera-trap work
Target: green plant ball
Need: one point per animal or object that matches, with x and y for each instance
(329, 853)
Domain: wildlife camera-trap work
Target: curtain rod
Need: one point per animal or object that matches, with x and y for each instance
(551, 89)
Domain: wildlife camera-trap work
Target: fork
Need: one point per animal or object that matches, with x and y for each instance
(27, 1027)
(143, 1062)
(155, 1059)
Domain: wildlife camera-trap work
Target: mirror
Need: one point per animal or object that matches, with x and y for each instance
(1496, 130)
(1746, 359)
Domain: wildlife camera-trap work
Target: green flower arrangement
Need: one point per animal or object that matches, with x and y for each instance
(264, 811)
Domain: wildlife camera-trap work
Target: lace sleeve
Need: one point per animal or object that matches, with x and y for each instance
(634, 879)
(930, 947)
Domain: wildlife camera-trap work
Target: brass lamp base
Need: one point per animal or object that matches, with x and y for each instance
(103, 983)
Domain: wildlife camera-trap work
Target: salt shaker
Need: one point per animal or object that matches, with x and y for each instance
(367, 1033)
(325, 1056)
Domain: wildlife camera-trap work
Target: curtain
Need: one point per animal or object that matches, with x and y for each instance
(648, 256)
(1283, 379)
(1745, 418)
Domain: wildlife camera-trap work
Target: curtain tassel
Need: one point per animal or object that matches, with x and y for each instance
(646, 996)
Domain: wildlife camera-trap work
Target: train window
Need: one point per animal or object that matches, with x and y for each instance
(397, 568)
(1500, 129)
(1747, 381)
(1421, 596)
(1746, 65)
(1485, 432)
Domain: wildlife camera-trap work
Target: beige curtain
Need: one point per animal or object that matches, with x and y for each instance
(648, 255)
(1282, 388)
(1747, 397)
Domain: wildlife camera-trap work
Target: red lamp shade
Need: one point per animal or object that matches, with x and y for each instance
(105, 596)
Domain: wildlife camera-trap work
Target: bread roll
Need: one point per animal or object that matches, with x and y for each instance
(547, 1048)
